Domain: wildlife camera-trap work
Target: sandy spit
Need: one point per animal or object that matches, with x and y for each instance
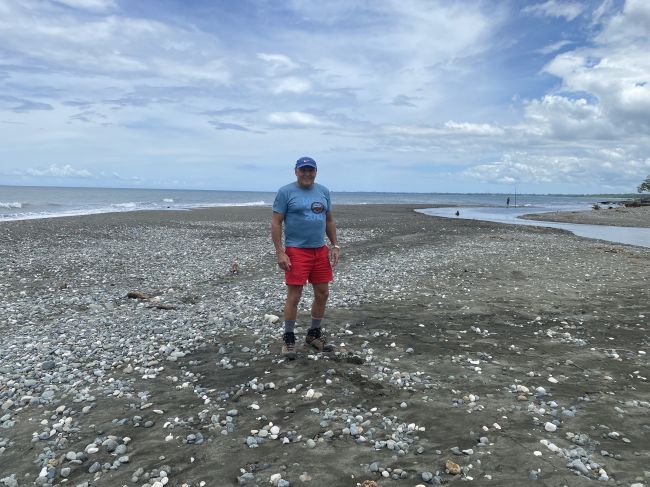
(618, 216)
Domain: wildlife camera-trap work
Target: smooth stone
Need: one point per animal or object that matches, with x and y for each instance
(550, 427)
(110, 445)
(580, 467)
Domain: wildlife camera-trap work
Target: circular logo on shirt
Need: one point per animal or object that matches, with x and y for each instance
(317, 207)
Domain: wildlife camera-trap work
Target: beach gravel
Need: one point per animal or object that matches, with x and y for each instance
(143, 349)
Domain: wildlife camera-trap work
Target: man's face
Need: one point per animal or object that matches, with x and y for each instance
(306, 176)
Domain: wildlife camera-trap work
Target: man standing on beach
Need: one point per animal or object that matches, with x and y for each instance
(305, 209)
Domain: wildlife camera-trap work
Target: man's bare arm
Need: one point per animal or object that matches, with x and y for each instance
(276, 235)
(330, 230)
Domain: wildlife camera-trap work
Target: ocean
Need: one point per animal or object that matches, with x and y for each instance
(29, 202)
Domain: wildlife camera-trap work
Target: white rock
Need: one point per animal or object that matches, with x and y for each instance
(272, 319)
(550, 427)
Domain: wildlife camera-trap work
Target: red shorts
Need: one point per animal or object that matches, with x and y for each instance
(311, 265)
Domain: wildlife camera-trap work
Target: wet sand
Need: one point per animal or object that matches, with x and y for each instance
(514, 352)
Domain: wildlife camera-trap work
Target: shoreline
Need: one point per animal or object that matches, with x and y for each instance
(611, 216)
(479, 343)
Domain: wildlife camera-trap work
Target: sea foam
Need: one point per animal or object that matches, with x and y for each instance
(13, 204)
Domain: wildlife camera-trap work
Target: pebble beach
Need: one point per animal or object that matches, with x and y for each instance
(142, 349)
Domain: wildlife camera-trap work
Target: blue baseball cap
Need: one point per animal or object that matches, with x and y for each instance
(306, 161)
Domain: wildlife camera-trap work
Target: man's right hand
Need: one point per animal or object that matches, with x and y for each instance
(283, 261)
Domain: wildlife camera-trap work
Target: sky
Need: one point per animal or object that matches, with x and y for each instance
(547, 96)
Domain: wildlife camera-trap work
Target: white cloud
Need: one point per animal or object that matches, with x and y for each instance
(117, 176)
(524, 168)
(92, 5)
(448, 128)
(534, 169)
(411, 130)
(616, 70)
(279, 62)
(631, 25)
(110, 46)
(295, 119)
(560, 117)
(64, 171)
(556, 46)
(292, 85)
(473, 128)
(555, 8)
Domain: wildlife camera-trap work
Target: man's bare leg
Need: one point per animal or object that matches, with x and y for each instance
(321, 293)
(290, 312)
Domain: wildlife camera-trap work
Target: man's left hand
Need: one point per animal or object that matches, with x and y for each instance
(335, 256)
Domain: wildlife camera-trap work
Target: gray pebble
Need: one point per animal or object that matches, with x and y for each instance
(110, 445)
(48, 365)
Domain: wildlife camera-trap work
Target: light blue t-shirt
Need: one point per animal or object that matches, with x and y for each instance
(305, 211)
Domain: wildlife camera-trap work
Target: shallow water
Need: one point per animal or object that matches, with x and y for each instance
(625, 235)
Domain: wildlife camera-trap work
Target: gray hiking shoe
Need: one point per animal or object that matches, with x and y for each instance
(317, 341)
(289, 345)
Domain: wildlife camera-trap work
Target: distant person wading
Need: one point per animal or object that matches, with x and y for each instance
(304, 209)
